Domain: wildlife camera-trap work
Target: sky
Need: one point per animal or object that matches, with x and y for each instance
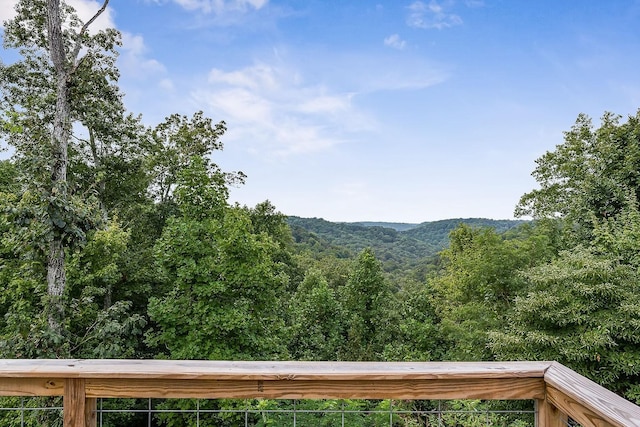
(389, 110)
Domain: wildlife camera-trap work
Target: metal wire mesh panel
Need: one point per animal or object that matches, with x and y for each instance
(30, 411)
(310, 413)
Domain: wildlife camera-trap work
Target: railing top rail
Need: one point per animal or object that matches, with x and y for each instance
(551, 382)
(605, 404)
(265, 370)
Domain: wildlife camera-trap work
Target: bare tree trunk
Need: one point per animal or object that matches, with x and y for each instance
(56, 277)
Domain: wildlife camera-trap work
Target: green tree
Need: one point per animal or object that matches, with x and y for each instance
(589, 176)
(479, 283)
(38, 91)
(581, 307)
(178, 140)
(317, 322)
(414, 327)
(64, 117)
(222, 283)
(103, 189)
(583, 310)
(367, 303)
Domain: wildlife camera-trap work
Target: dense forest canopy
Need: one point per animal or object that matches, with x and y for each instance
(157, 262)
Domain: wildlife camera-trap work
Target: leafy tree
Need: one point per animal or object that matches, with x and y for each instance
(44, 93)
(222, 281)
(101, 149)
(178, 141)
(367, 303)
(267, 220)
(317, 321)
(480, 282)
(414, 327)
(583, 310)
(589, 176)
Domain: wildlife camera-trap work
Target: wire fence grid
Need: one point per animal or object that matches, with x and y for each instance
(31, 412)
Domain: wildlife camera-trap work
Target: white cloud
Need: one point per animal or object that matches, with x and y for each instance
(259, 76)
(86, 9)
(7, 9)
(166, 84)
(432, 15)
(220, 6)
(386, 72)
(241, 105)
(133, 59)
(330, 104)
(271, 108)
(395, 42)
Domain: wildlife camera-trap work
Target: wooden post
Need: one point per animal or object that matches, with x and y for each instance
(548, 415)
(91, 414)
(78, 410)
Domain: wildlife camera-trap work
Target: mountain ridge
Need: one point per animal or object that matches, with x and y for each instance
(393, 243)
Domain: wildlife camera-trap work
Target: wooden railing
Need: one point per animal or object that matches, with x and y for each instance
(558, 391)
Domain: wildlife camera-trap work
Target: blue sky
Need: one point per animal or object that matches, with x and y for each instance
(391, 110)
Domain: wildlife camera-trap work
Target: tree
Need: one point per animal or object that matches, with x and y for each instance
(480, 282)
(581, 307)
(589, 176)
(317, 321)
(414, 327)
(366, 300)
(221, 278)
(58, 53)
(178, 140)
(583, 310)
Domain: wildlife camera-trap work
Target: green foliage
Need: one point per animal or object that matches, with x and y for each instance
(583, 310)
(366, 300)
(8, 182)
(414, 334)
(589, 176)
(317, 320)
(338, 413)
(437, 233)
(480, 282)
(398, 247)
(180, 141)
(224, 289)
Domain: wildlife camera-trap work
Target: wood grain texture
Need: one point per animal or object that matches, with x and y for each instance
(587, 402)
(74, 403)
(557, 389)
(585, 416)
(504, 389)
(90, 412)
(548, 415)
(31, 387)
(264, 370)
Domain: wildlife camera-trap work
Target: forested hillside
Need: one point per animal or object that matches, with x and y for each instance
(397, 245)
(117, 240)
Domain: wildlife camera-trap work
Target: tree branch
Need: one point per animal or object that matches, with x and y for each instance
(85, 27)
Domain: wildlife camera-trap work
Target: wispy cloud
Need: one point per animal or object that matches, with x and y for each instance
(384, 72)
(220, 6)
(395, 42)
(134, 61)
(432, 15)
(272, 107)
